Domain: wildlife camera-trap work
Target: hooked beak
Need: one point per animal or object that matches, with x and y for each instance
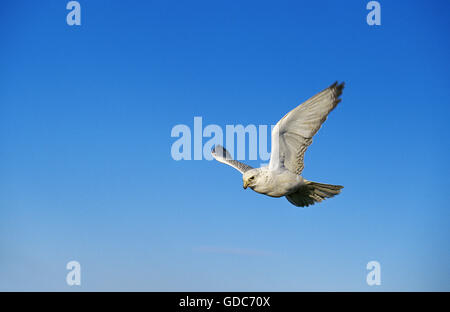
(245, 184)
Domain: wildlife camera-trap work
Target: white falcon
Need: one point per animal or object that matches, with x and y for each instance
(291, 136)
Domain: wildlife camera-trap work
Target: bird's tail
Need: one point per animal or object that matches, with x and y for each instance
(313, 192)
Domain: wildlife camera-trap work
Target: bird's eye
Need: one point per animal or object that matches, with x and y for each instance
(251, 178)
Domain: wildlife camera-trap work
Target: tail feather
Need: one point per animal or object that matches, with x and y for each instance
(313, 192)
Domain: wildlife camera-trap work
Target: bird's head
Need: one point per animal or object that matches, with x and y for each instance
(250, 177)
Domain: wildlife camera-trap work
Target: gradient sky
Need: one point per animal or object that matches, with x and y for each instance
(86, 172)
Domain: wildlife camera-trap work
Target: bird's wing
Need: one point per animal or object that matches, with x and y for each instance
(222, 155)
(292, 135)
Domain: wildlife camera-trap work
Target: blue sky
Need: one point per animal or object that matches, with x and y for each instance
(86, 114)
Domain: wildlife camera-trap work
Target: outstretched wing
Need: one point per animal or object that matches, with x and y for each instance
(222, 155)
(292, 135)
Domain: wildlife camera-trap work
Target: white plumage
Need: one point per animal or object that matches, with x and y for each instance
(291, 136)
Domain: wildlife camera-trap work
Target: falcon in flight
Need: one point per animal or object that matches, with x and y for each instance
(291, 136)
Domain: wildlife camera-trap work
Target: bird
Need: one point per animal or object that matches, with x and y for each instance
(290, 137)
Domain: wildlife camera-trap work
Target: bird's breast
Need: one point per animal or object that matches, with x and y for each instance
(279, 185)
